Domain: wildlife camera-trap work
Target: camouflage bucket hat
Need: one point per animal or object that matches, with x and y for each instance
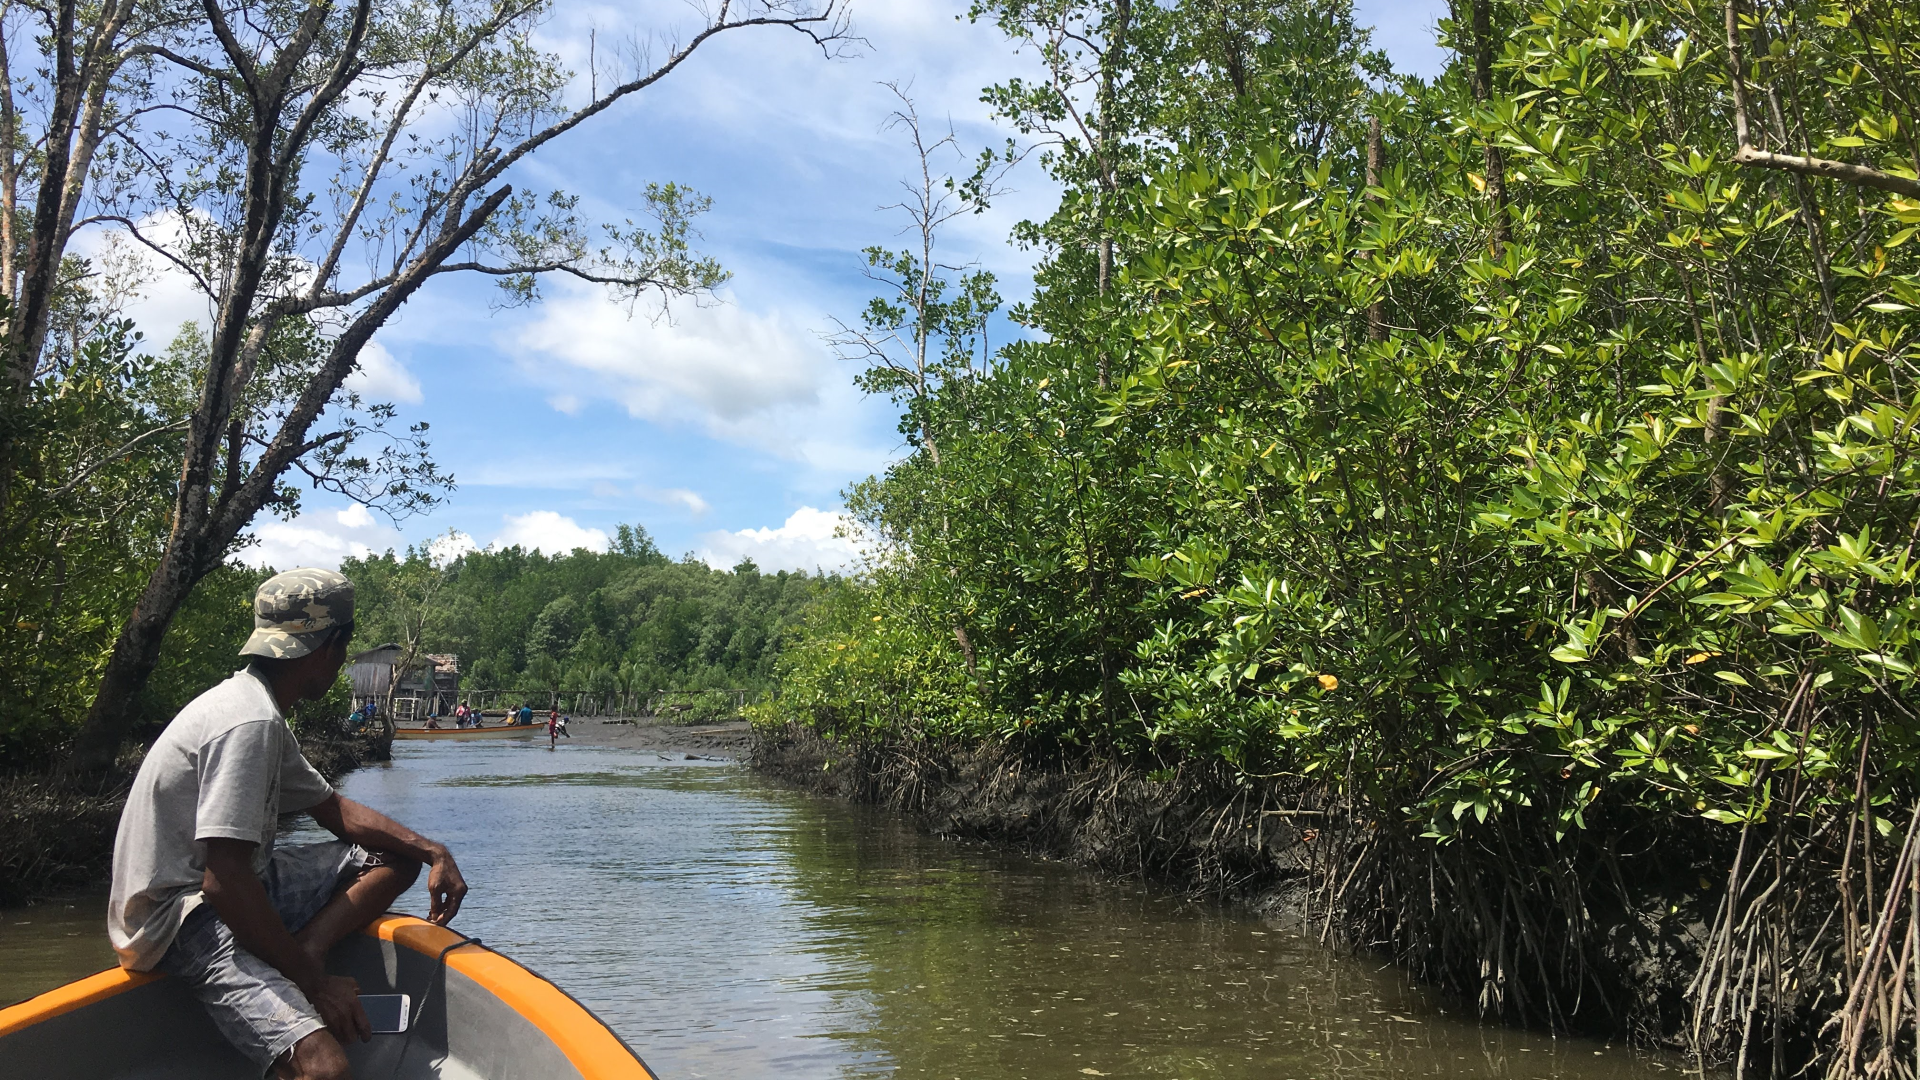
(291, 610)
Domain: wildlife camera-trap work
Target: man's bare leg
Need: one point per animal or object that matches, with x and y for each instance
(319, 1056)
(356, 905)
(316, 1057)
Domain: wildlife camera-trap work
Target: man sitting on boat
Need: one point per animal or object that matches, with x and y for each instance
(199, 889)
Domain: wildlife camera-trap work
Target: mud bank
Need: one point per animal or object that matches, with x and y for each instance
(56, 832)
(1602, 941)
(730, 739)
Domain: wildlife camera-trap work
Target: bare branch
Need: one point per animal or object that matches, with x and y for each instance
(345, 67)
(553, 267)
(404, 109)
(832, 18)
(242, 62)
(1835, 170)
(1748, 154)
(187, 62)
(110, 457)
(133, 230)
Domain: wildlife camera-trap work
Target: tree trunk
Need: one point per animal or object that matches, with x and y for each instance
(218, 494)
(1103, 155)
(9, 175)
(201, 536)
(1376, 164)
(1496, 162)
(135, 653)
(27, 328)
(82, 73)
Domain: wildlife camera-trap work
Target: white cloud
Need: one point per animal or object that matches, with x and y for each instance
(676, 497)
(320, 538)
(718, 363)
(381, 377)
(550, 532)
(806, 542)
(685, 498)
(326, 537)
(356, 516)
(154, 293)
(450, 545)
(160, 298)
(284, 545)
(523, 469)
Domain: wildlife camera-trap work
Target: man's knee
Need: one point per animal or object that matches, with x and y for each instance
(403, 870)
(316, 1057)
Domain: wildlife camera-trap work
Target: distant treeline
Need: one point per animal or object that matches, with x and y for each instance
(629, 619)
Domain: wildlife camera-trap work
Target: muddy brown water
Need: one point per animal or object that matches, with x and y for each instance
(727, 927)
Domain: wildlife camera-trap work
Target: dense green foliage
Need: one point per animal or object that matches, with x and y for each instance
(94, 480)
(1564, 473)
(1606, 500)
(628, 620)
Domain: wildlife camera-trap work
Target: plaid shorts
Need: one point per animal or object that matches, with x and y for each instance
(258, 1009)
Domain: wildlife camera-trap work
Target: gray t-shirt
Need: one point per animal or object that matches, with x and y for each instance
(227, 767)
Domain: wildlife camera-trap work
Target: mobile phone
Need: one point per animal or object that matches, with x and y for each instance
(386, 1013)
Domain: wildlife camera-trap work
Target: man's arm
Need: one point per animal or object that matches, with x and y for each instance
(241, 901)
(375, 831)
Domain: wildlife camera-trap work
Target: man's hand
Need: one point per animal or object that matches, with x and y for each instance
(337, 998)
(377, 832)
(445, 888)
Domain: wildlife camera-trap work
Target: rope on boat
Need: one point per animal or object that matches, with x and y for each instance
(435, 976)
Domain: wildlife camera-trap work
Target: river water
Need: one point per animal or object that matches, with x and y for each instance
(727, 927)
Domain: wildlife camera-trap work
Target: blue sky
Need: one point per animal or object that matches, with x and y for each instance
(727, 429)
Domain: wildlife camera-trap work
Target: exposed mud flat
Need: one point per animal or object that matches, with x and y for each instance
(731, 740)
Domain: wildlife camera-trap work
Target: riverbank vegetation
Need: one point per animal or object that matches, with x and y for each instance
(628, 620)
(1514, 472)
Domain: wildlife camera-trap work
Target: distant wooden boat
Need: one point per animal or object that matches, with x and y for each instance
(495, 732)
(481, 1016)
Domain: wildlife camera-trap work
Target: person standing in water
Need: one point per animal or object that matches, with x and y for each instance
(200, 889)
(553, 728)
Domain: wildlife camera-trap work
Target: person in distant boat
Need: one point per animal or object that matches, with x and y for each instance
(201, 891)
(433, 723)
(526, 714)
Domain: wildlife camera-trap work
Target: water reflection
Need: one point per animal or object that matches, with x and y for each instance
(729, 928)
(49, 944)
